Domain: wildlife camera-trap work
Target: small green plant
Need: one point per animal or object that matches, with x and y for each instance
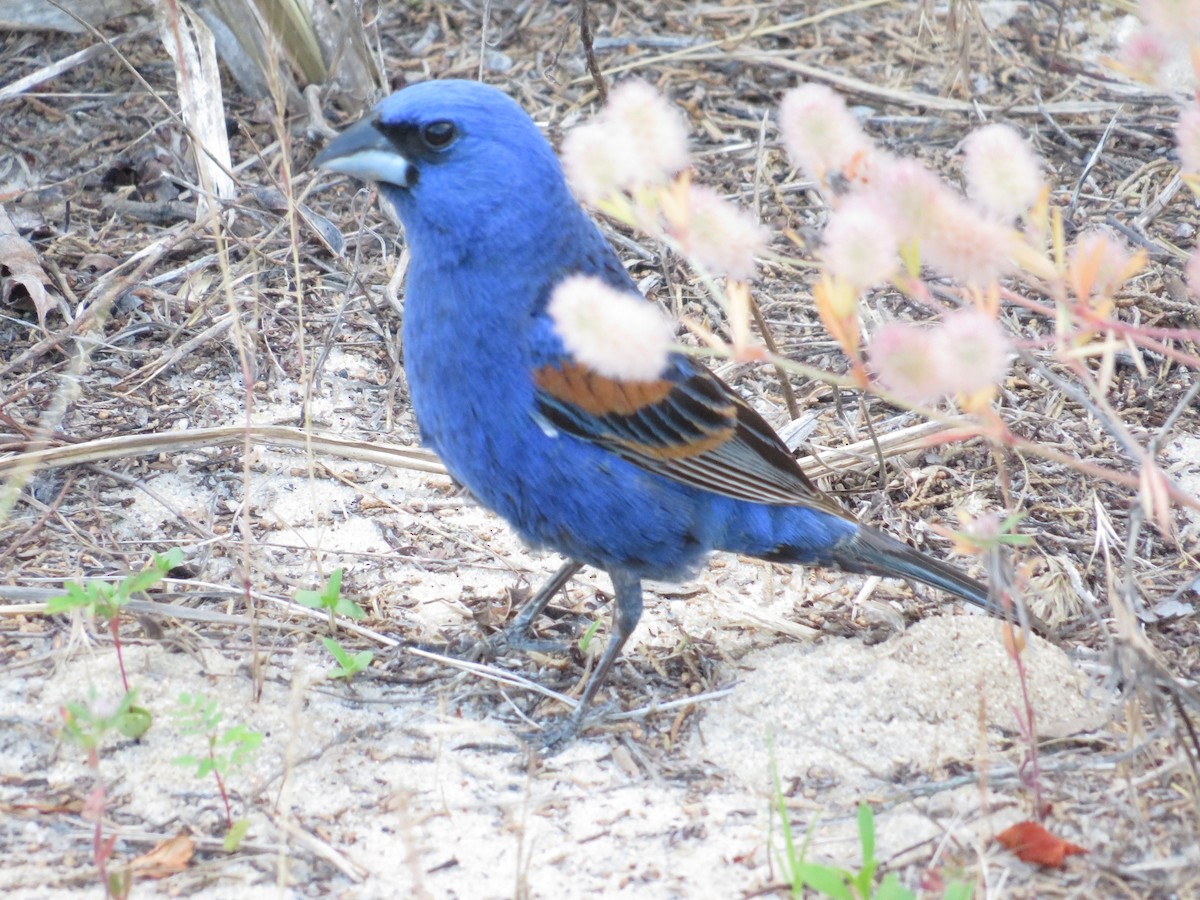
(100, 598)
(833, 881)
(348, 666)
(586, 638)
(196, 714)
(330, 599)
(86, 725)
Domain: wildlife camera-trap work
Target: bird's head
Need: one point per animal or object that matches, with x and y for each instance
(459, 160)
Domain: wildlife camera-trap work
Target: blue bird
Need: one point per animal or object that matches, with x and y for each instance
(640, 479)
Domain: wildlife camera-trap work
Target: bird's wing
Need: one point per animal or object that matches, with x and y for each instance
(688, 426)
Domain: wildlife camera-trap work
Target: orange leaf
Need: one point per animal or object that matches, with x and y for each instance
(167, 858)
(1034, 844)
(837, 304)
(1084, 268)
(738, 293)
(1014, 643)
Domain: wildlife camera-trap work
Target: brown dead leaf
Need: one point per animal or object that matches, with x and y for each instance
(63, 803)
(1034, 844)
(21, 275)
(97, 262)
(167, 857)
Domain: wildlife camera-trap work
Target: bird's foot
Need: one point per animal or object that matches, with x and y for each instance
(513, 640)
(557, 735)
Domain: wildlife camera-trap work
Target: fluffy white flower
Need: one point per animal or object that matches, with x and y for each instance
(617, 333)
(1003, 174)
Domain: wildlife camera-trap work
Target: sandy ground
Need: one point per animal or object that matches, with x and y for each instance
(394, 790)
(382, 789)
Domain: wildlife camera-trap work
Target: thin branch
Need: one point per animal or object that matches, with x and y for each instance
(589, 50)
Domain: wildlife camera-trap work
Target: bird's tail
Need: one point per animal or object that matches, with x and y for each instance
(872, 552)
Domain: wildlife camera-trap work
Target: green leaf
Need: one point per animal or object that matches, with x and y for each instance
(866, 832)
(348, 666)
(1016, 540)
(348, 608)
(586, 638)
(338, 652)
(119, 883)
(243, 741)
(327, 597)
(1012, 522)
(891, 889)
(196, 714)
(311, 599)
(134, 722)
(172, 559)
(240, 735)
(864, 879)
(85, 727)
(154, 572)
(236, 834)
(138, 582)
(104, 599)
(828, 880)
(76, 597)
(958, 890)
(78, 726)
(333, 587)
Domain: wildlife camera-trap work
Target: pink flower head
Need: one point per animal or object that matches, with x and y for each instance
(861, 242)
(1174, 17)
(598, 167)
(720, 237)
(910, 194)
(952, 236)
(962, 244)
(965, 354)
(1003, 173)
(1145, 53)
(640, 112)
(638, 139)
(616, 332)
(902, 356)
(822, 136)
(1187, 139)
(971, 350)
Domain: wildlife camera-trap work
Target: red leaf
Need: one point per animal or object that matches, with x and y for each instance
(1034, 844)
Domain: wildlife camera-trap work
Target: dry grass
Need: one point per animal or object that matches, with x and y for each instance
(185, 331)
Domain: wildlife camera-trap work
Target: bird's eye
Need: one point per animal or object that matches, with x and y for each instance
(439, 135)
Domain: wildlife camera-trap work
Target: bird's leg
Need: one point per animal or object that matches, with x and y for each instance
(627, 610)
(516, 635)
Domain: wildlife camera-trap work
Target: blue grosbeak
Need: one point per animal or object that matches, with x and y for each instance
(641, 479)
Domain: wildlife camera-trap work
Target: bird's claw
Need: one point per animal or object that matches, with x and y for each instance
(514, 640)
(555, 737)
